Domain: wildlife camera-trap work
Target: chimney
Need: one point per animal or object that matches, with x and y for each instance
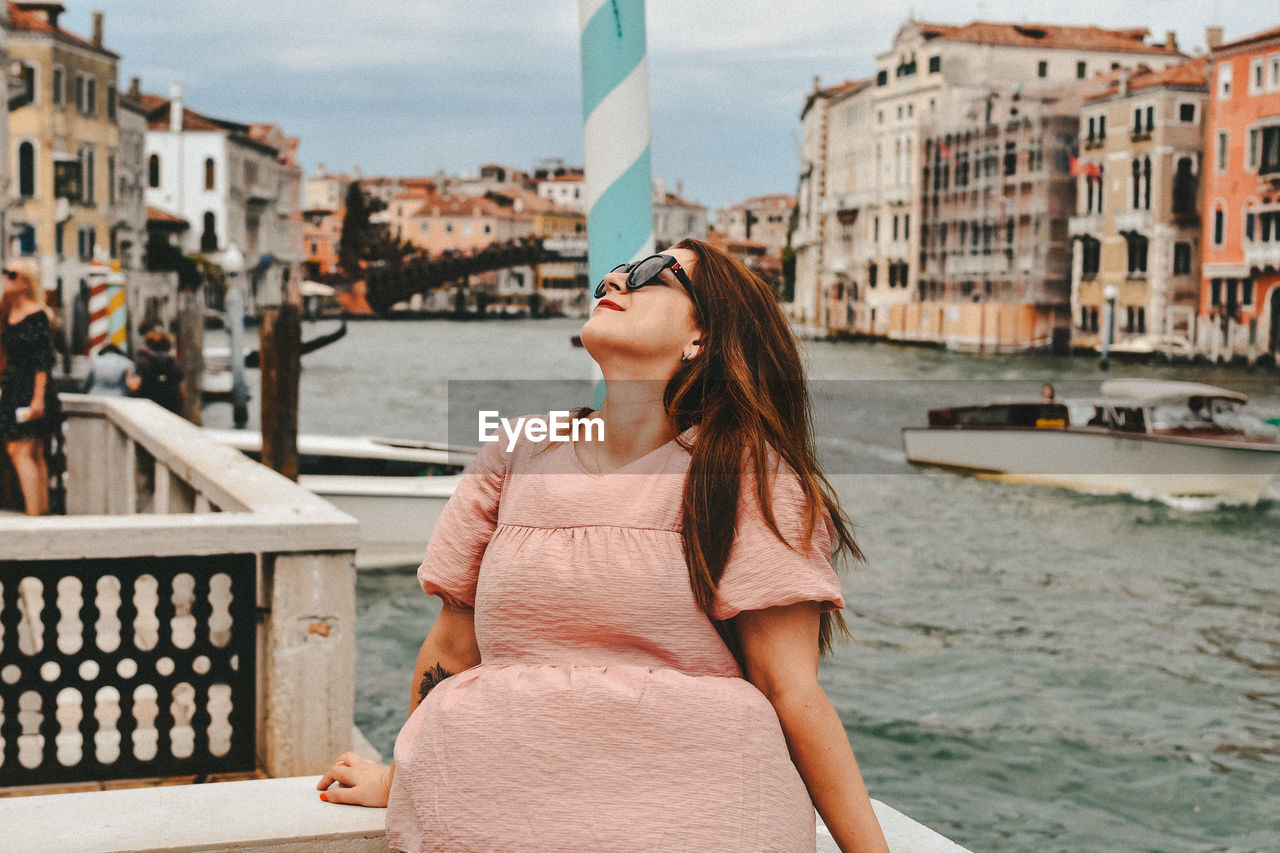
(175, 107)
(135, 87)
(1125, 74)
(1213, 37)
(97, 29)
(817, 82)
(680, 188)
(660, 188)
(1171, 40)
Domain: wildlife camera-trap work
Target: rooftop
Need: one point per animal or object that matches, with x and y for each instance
(1194, 72)
(43, 18)
(1048, 35)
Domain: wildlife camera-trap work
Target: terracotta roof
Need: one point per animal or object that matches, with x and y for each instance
(1265, 35)
(1048, 35)
(569, 177)
(1192, 73)
(158, 117)
(438, 205)
(27, 20)
(848, 86)
(158, 216)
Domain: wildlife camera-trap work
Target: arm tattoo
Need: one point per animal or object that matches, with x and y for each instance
(433, 676)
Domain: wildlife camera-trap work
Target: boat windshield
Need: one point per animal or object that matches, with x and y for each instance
(1210, 415)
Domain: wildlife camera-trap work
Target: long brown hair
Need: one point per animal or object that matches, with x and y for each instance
(745, 391)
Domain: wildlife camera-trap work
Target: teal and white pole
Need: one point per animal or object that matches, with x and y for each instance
(615, 127)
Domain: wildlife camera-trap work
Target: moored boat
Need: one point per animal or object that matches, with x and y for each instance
(1142, 437)
(395, 488)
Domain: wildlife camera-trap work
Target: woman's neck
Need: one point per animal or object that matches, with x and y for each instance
(635, 423)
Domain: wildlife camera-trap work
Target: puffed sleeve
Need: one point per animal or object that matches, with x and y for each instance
(452, 563)
(762, 571)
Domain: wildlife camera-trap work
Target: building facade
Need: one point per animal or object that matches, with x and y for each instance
(933, 76)
(995, 259)
(239, 185)
(1240, 276)
(1136, 231)
(764, 219)
(63, 149)
(676, 217)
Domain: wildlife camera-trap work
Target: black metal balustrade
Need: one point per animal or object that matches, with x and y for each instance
(127, 668)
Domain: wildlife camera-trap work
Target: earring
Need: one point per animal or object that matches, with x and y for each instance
(686, 356)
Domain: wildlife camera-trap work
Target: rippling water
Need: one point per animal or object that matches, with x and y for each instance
(1032, 668)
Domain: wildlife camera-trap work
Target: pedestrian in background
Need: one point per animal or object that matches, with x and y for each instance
(159, 377)
(30, 414)
(109, 373)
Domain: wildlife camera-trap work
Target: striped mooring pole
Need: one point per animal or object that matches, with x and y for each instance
(615, 129)
(107, 311)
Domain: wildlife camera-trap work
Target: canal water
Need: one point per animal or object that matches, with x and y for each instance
(1031, 668)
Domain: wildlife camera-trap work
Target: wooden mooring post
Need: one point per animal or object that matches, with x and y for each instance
(280, 344)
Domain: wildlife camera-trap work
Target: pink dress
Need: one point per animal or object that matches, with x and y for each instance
(607, 714)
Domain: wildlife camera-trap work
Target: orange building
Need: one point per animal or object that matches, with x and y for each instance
(321, 234)
(1240, 286)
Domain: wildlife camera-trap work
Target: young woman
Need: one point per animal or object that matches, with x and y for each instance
(627, 655)
(29, 411)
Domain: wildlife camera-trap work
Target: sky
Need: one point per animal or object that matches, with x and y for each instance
(409, 87)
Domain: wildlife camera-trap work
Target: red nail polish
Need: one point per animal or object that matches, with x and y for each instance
(324, 795)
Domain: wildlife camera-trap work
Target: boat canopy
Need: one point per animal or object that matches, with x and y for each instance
(1148, 391)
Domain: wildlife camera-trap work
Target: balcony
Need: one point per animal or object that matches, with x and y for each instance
(976, 265)
(1137, 221)
(1263, 256)
(235, 585)
(1085, 226)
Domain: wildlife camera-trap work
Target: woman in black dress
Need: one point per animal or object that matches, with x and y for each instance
(29, 410)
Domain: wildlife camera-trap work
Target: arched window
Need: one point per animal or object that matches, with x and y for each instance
(1184, 189)
(27, 170)
(1136, 183)
(209, 236)
(153, 171)
(1146, 181)
(208, 173)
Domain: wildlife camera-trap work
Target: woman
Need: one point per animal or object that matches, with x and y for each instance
(159, 377)
(110, 372)
(29, 410)
(627, 654)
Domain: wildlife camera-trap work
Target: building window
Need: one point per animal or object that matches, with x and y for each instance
(1219, 226)
(1010, 158)
(59, 86)
(209, 236)
(153, 170)
(1042, 69)
(80, 92)
(1187, 113)
(1102, 127)
(872, 270)
(1137, 249)
(1136, 183)
(27, 170)
(1251, 153)
(935, 64)
(91, 97)
(1182, 259)
(1090, 257)
(1224, 81)
(1184, 189)
(1222, 151)
(111, 103)
(208, 173)
(1080, 70)
(882, 78)
(1248, 225)
(86, 158)
(1269, 161)
(1215, 292)
(111, 180)
(1255, 76)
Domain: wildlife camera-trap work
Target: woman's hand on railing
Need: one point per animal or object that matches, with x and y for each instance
(361, 782)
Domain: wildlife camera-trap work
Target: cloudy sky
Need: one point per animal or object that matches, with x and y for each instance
(412, 86)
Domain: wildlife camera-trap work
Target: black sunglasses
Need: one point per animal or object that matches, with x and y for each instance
(648, 270)
(12, 275)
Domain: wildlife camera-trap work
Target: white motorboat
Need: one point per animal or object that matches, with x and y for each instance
(1161, 439)
(394, 488)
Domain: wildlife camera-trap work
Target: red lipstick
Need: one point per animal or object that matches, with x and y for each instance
(605, 303)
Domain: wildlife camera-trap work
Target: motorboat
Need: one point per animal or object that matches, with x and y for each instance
(395, 488)
(1147, 438)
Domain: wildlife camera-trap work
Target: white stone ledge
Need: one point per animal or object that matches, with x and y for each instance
(265, 815)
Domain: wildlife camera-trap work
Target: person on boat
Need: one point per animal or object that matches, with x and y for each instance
(627, 653)
(30, 413)
(1047, 394)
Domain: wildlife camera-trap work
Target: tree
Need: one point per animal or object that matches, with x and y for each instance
(354, 242)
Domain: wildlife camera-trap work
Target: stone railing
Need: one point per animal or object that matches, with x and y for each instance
(193, 613)
(276, 815)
